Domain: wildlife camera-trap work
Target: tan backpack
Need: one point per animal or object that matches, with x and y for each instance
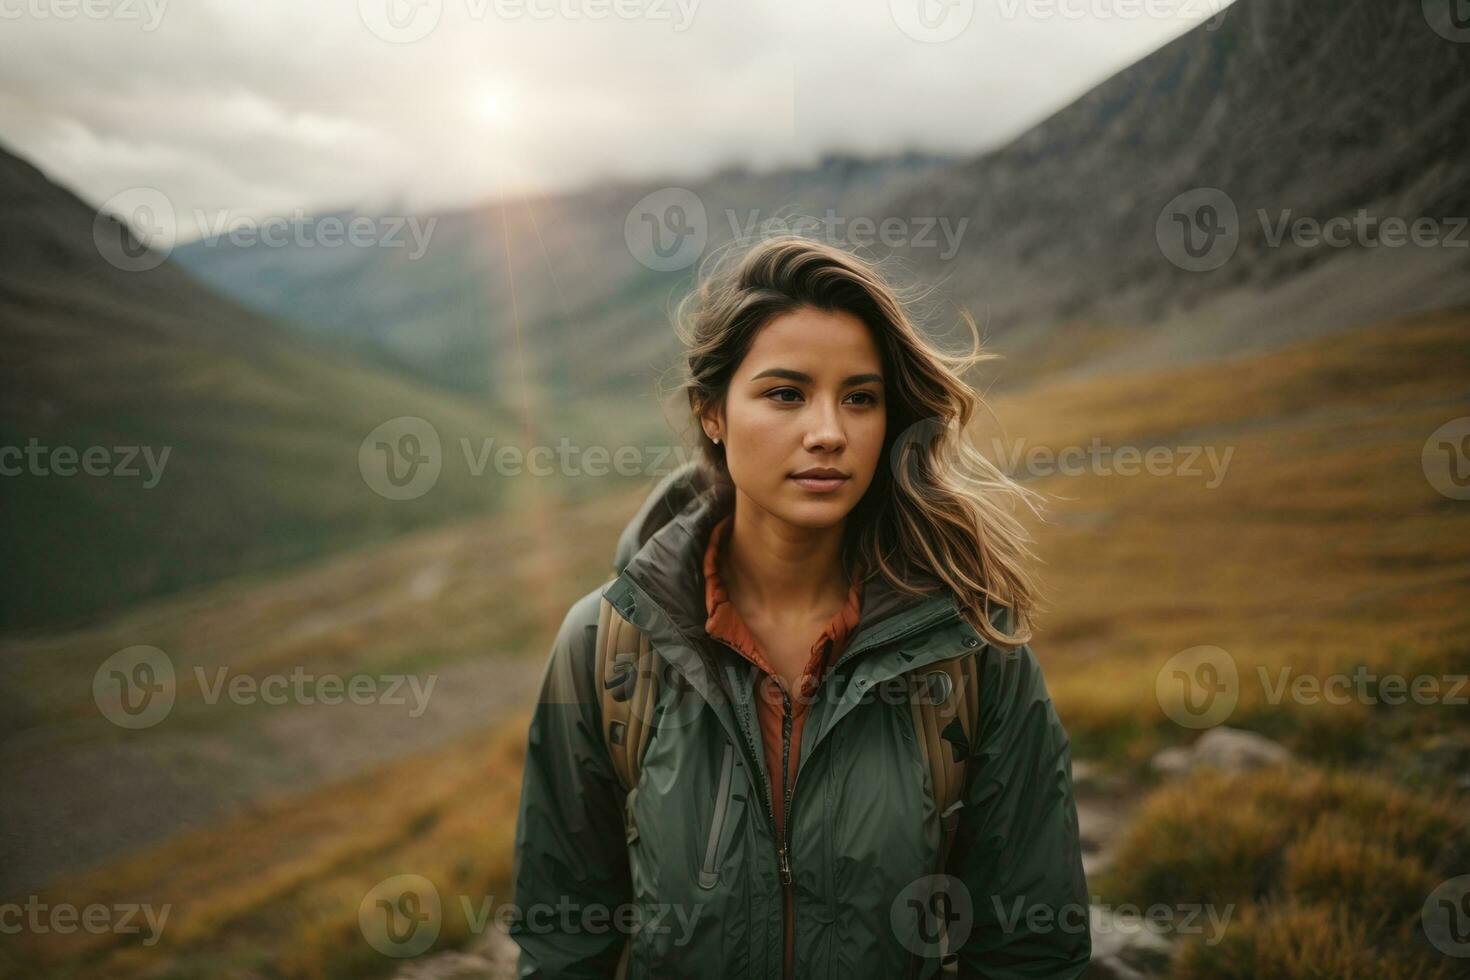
(945, 720)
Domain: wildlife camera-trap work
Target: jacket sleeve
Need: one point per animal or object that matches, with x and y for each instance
(571, 878)
(1017, 849)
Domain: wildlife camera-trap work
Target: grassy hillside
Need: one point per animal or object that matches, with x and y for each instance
(1323, 546)
(221, 443)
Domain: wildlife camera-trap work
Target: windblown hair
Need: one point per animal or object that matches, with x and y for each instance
(936, 508)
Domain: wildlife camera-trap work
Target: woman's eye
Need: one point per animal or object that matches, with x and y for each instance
(778, 392)
(867, 397)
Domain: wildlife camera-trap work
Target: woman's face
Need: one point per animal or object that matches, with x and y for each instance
(808, 396)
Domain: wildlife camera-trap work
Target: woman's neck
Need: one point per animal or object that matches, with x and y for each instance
(785, 570)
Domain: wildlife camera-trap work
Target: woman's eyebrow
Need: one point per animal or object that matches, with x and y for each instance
(790, 375)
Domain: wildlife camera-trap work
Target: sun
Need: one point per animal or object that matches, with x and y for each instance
(491, 104)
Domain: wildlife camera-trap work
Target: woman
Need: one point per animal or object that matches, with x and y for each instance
(836, 535)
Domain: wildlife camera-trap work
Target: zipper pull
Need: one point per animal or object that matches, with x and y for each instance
(785, 865)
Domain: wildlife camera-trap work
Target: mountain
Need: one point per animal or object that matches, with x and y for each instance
(556, 269)
(155, 435)
(1289, 109)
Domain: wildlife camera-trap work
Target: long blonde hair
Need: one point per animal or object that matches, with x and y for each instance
(938, 508)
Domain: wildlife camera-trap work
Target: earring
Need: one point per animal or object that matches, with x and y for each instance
(717, 440)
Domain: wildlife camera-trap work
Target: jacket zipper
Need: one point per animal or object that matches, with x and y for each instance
(785, 795)
(783, 854)
(788, 896)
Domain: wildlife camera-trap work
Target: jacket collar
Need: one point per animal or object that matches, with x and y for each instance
(659, 561)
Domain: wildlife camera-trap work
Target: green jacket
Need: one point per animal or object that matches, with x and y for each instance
(692, 876)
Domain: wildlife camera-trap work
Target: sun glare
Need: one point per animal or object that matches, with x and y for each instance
(491, 104)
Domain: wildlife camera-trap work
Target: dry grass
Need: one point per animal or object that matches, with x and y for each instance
(279, 888)
(1325, 872)
(1323, 548)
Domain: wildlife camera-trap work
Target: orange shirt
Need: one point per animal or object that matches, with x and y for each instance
(724, 623)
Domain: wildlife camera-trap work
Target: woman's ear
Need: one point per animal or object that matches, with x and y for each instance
(711, 419)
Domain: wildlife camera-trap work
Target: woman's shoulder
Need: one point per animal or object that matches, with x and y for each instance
(570, 675)
(578, 630)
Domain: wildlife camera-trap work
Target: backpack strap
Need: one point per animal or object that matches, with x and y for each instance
(628, 690)
(946, 719)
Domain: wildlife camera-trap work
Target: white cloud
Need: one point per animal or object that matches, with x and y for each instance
(272, 105)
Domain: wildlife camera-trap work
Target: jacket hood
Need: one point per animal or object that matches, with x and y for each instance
(674, 493)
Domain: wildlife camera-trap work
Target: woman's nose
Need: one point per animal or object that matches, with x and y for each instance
(825, 430)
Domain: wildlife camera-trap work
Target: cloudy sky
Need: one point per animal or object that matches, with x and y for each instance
(262, 106)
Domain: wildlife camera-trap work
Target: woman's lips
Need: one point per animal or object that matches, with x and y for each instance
(820, 484)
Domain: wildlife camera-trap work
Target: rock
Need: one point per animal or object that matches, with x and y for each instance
(1125, 948)
(1237, 750)
(1088, 777)
(1173, 761)
(491, 956)
(1226, 749)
